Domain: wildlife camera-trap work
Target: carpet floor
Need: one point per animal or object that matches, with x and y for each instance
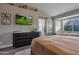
(24, 50)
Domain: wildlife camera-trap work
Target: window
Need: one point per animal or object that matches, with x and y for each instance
(49, 26)
(45, 26)
(71, 24)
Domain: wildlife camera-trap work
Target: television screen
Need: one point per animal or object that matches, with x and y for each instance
(23, 20)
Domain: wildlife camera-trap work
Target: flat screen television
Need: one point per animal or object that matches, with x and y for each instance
(23, 20)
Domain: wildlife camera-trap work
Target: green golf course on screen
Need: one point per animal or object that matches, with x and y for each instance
(23, 20)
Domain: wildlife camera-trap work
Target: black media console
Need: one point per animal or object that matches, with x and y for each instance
(22, 39)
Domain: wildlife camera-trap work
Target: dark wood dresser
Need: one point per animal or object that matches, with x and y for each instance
(24, 38)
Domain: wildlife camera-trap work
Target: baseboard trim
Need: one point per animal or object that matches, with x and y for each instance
(5, 46)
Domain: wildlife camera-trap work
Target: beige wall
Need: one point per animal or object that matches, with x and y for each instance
(7, 30)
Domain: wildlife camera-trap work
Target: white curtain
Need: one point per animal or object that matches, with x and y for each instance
(41, 26)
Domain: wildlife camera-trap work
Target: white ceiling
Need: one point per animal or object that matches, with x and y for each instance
(54, 9)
